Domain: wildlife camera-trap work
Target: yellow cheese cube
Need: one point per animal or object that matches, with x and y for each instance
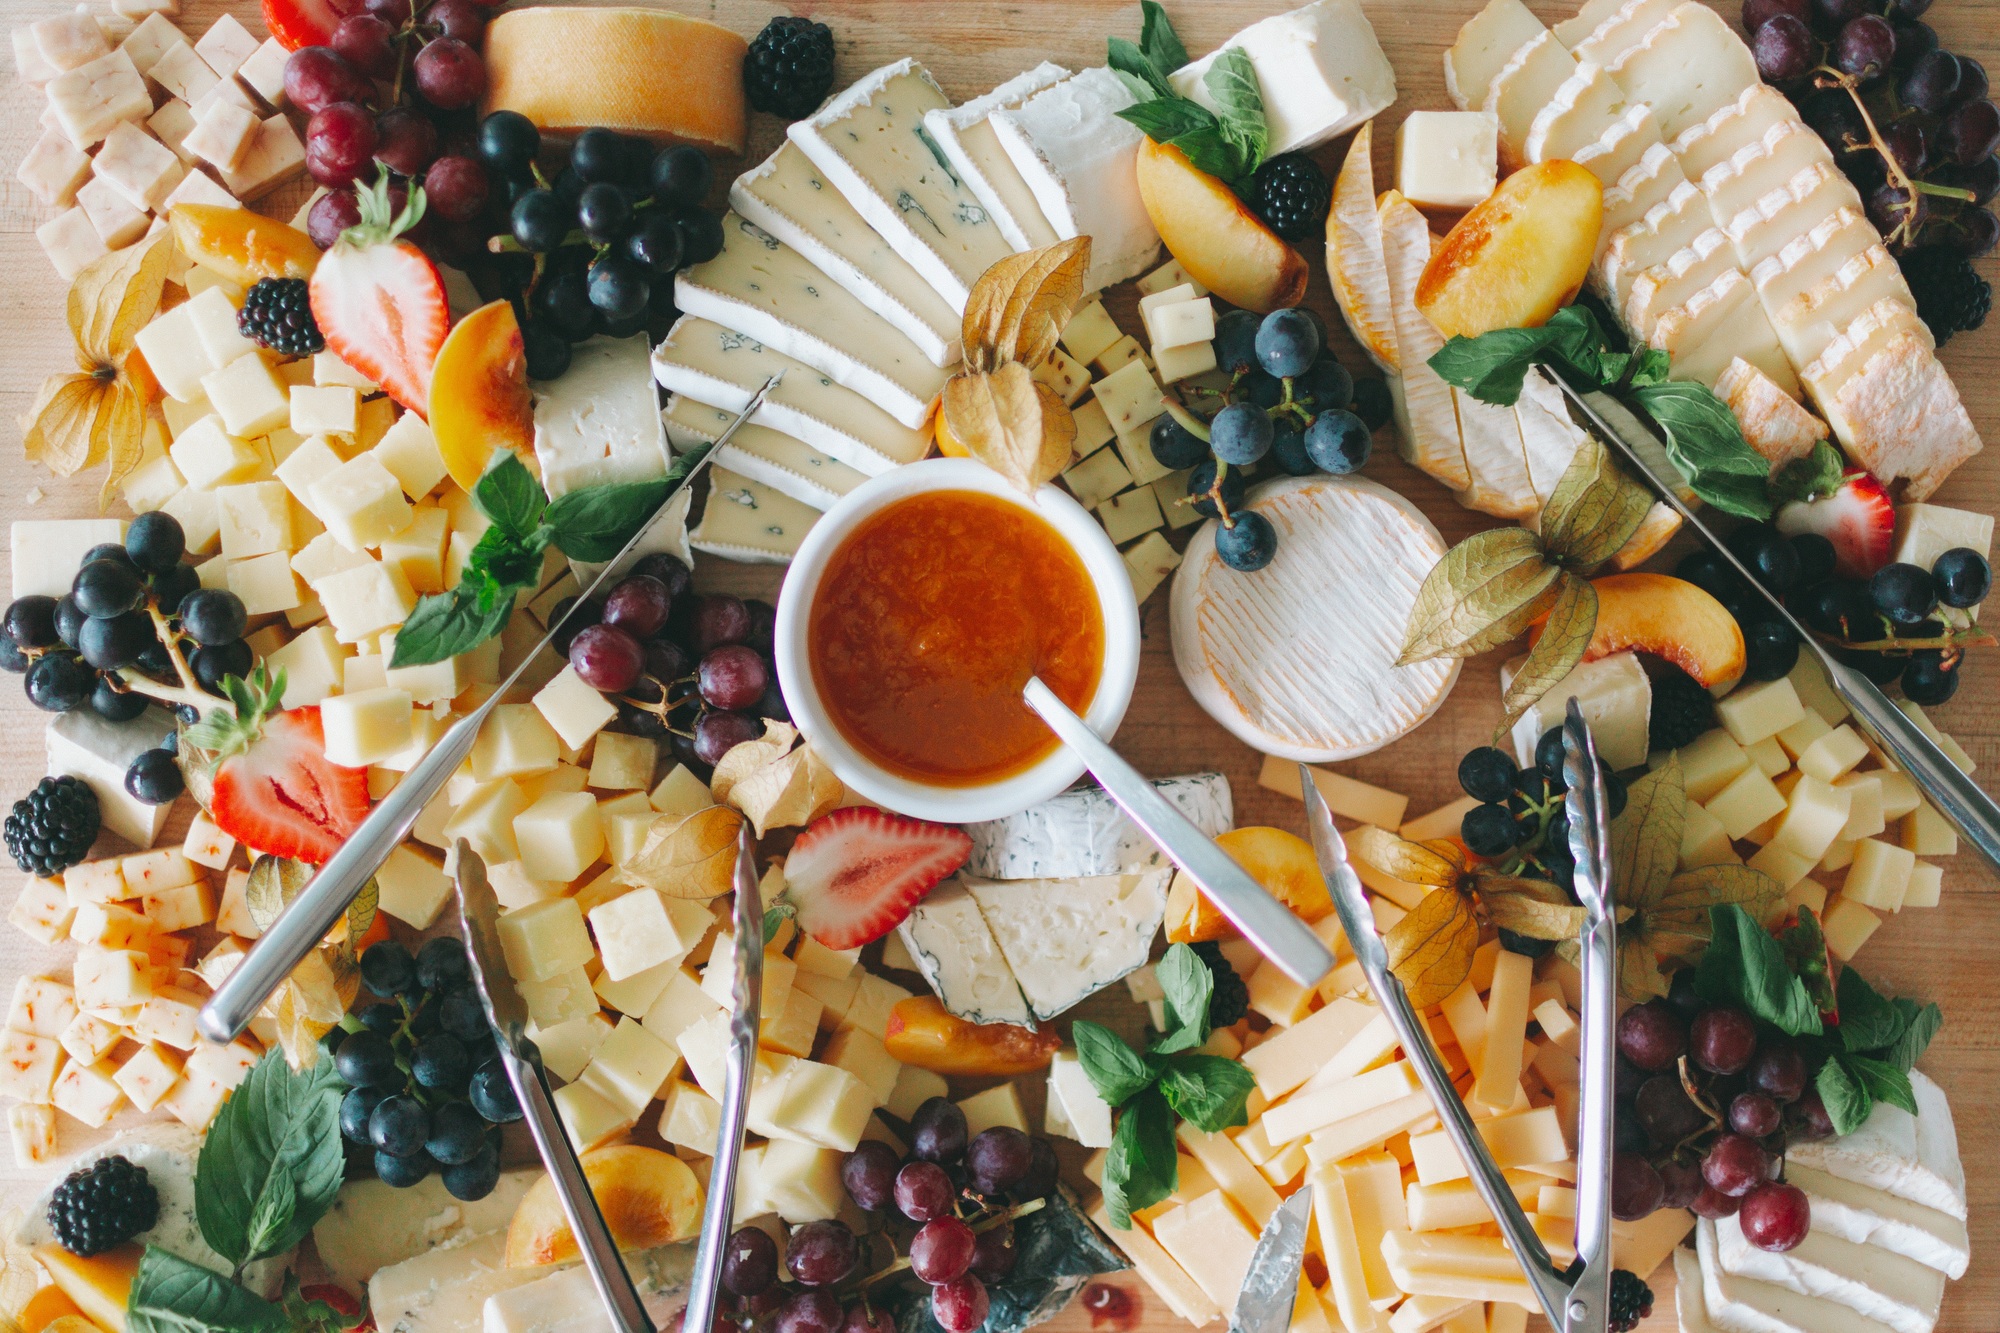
(209, 455)
(413, 888)
(88, 1038)
(1209, 1240)
(409, 450)
(812, 956)
(823, 1105)
(1769, 755)
(873, 1001)
(800, 1182)
(42, 911)
(792, 1029)
(1926, 885)
(248, 396)
(1925, 832)
(366, 600)
(1781, 863)
(865, 1058)
(562, 997)
(835, 995)
(147, 1075)
(1089, 332)
(1847, 926)
(418, 550)
(998, 1105)
(1816, 815)
(361, 502)
(567, 1048)
(1704, 841)
(575, 711)
(1879, 876)
(560, 836)
(631, 1066)
(41, 1007)
(232, 916)
(1864, 806)
(1899, 793)
(913, 1088)
(28, 1066)
(623, 763)
(591, 1119)
(88, 1092)
(181, 908)
(1753, 712)
(515, 740)
(325, 409)
(1834, 754)
(1798, 738)
(168, 1017)
(692, 1118)
(367, 727)
(1746, 801)
(680, 793)
(110, 926)
(680, 1006)
(545, 940)
(635, 931)
(1709, 763)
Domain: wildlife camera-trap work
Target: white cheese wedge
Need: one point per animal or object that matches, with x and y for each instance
(763, 288)
(1484, 44)
(1667, 227)
(956, 953)
(1355, 266)
(1617, 701)
(1867, 1216)
(1746, 1305)
(1911, 1157)
(1083, 832)
(1426, 417)
(566, 1301)
(1773, 422)
(869, 140)
(1300, 661)
(371, 1227)
(1621, 146)
(1320, 69)
(1067, 939)
(1763, 228)
(1528, 82)
(444, 1290)
(1549, 438)
(84, 745)
(1084, 1112)
(1809, 322)
(1500, 484)
(1649, 181)
(1080, 161)
(1745, 120)
(1622, 28)
(1857, 344)
(790, 198)
(747, 520)
(1900, 416)
(600, 422)
(1587, 105)
(1760, 167)
(1747, 336)
(969, 144)
(1676, 278)
(1687, 68)
(712, 364)
(783, 462)
(1878, 1283)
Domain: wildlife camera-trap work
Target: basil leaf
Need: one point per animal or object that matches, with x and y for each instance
(1922, 1025)
(1116, 1070)
(684, 464)
(1208, 1091)
(1805, 950)
(1491, 366)
(1847, 1102)
(1158, 39)
(1743, 965)
(510, 496)
(272, 1161)
(446, 624)
(171, 1295)
(1745, 497)
(595, 523)
(1214, 152)
(1706, 444)
(1232, 81)
(1577, 339)
(509, 560)
(1883, 1081)
(1188, 985)
(1141, 1168)
(1651, 365)
(1138, 72)
(1868, 1021)
(1165, 119)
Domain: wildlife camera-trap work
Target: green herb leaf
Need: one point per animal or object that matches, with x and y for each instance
(1743, 965)
(1577, 343)
(1116, 1070)
(1208, 1091)
(311, 1316)
(502, 562)
(1868, 1021)
(1141, 1167)
(171, 1295)
(1650, 366)
(1139, 73)
(510, 496)
(1188, 985)
(1167, 119)
(272, 1162)
(1492, 366)
(595, 523)
(446, 624)
(1232, 81)
(1808, 478)
(1922, 1024)
(1707, 445)
(1212, 150)
(1847, 1102)
(1882, 1081)
(1158, 39)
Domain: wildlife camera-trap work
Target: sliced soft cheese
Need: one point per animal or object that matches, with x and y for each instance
(1528, 82)
(764, 288)
(47, 552)
(1483, 47)
(1587, 105)
(1617, 150)
(790, 198)
(1320, 69)
(1878, 1283)
(84, 745)
(1911, 1157)
(444, 1290)
(1426, 417)
(566, 1301)
(1617, 701)
(1765, 226)
(372, 1226)
(870, 142)
(783, 462)
(956, 953)
(1354, 261)
(1746, 1305)
(1807, 259)
(712, 364)
(1900, 417)
(1667, 226)
(1549, 438)
(1687, 68)
(1083, 832)
(967, 140)
(1739, 123)
(1081, 162)
(600, 423)
(747, 520)
(1647, 182)
(1867, 1216)
(1622, 29)
(1773, 422)
(1500, 483)
(1300, 661)
(1676, 278)
(1067, 939)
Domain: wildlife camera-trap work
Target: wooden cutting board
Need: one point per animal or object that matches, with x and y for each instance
(1943, 954)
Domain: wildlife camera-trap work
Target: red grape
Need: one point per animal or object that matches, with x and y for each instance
(749, 1262)
(1811, 1122)
(638, 603)
(367, 43)
(1865, 48)
(396, 12)
(937, 1131)
(1970, 133)
(732, 677)
(1756, 13)
(821, 1254)
(666, 568)
(1636, 1188)
(1682, 1184)
(1932, 84)
(1776, 1216)
(1779, 1071)
(331, 214)
(1735, 1165)
(941, 1250)
(997, 1159)
(811, 1312)
(863, 1317)
(1666, 1111)
(716, 733)
(665, 659)
(1754, 1115)
(318, 76)
(1713, 1204)
(995, 1254)
(409, 141)
(449, 74)
(456, 187)
(869, 1175)
(718, 620)
(458, 18)
(572, 620)
(924, 1191)
(959, 1306)
(1784, 49)
(606, 658)
(1722, 1041)
(1651, 1035)
(340, 142)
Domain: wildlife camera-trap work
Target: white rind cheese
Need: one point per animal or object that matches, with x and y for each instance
(1320, 69)
(1746, 1305)
(372, 1226)
(566, 1301)
(444, 1290)
(84, 745)
(1067, 939)
(1882, 1285)
(1872, 1217)
(1426, 414)
(1084, 1115)
(1300, 662)
(1081, 161)
(600, 423)
(1083, 832)
(749, 521)
(956, 954)
(1911, 1157)
(968, 142)
(1617, 701)
(783, 462)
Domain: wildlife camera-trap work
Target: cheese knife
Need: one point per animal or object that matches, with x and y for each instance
(1972, 811)
(1270, 1287)
(308, 917)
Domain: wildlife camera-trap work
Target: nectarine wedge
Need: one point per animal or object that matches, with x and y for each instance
(648, 1198)
(1518, 256)
(97, 1285)
(922, 1033)
(1283, 863)
(1669, 618)
(1222, 244)
(479, 394)
(240, 246)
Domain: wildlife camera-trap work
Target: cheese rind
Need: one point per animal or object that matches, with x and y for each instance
(1084, 832)
(1320, 69)
(1911, 1157)
(1064, 940)
(969, 144)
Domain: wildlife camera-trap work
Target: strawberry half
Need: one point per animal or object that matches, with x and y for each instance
(270, 785)
(380, 301)
(854, 874)
(297, 23)
(1857, 516)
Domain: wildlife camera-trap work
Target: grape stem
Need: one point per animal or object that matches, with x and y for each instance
(1904, 232)
(189, 691)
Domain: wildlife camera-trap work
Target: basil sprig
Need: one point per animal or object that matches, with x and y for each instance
(1702, 436)
(1228, 143)
(1149, 1090)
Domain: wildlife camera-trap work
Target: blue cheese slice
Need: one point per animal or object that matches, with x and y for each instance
(372, 1226)
(444, 1290)
(1083, 832)
(1067, 939)
(749, 521)
(870, 142)
(957, 954)
(712, 364)
(761, 287)
(790, 198)
(968, 143)
(783, 462)
(600, 423)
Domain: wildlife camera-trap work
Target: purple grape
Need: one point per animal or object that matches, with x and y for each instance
(665, 659)
(1865, 48)
(1682, 1184)
(994, 1254)
(937, 1131)
(639, 605)
(1914, 41)
(1636, 1188)
(750, 1262)
(1909, 145)
(1972, 81)
(763, 625)
(820, 1254)
(941, 1250)
(1756, 13)
(863, 1317)
(606, 658)
(1776, 1216)
(732, 677)
(960, 1305)
(717, 733)
(1784, 49)
(810, 1311)
(1735, 1165)
(666, 568)
(1973, 232)
(1830, 16)
(1723, 1041)
(869, 1175)
(1811, 1123)
(719, 620)
(1651, 1035)
(998, 1159)
(571, 620)
(1753, 1115)
(924, 1191)
(1970, 132)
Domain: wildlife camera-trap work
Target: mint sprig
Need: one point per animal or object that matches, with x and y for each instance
(1228, 143)
(1171, 1079)
(271, 1164)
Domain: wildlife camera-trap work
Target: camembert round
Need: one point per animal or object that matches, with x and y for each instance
(1298, 659)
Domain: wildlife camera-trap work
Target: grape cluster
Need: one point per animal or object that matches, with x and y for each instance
(691, 667)
(1707, 1099)
(1909, 122)
(1911, 617)
(1289, 400)
(1522, 819)
(425, 1083)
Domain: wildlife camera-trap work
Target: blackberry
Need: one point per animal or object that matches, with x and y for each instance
(52, 827)
(789, 69)
(1631, 1301)
(1230, 1000)
(1682, 709)
(277, 313)
(1950, 295)
(1292, 195)
(103, 1205)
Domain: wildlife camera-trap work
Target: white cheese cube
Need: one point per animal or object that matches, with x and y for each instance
(1086, 1113)
(42, 911)
(168, 1016)
(312, 665)
(248, 397)
(110, 926)
(560, 836)
(1926, 886)
(418, 550)
(1182, 323)
(867, 1059)
(150, 485)
(1762, 709)
(147, 1075)
(264, 72)
(692, 1118)
(328, 368)
(364, 728)
(170, 125)
(222, 133)
(213, 316)
(545, 940)
(117, 223)
(1817, 814)
(366, 600)
(182, 907)
(71, 242)
(53, 169)
(575, 710)
(41, 1007)
(96, 882)
(590, 1118)
(998, 1105)
(1447, 159)
(1176, 364)
(69, 40)
(141, 169)
(680, 1006)
(1879, 876)
(1833, 755)
(635, 932)
(211, 457)
(265, 583)
(226, 45)
(176, 356)
(1089, 332)
(631, 1067)
(485, 818)
(88, 1092)
(334, 410)
(822, 1105)
(567, 1048)
(1616, 698)
(680, 792)
(623, 763)
(111, 978)
(361, 503)
(89, 1039)
(182, 72)
(1747, 801)
(149, 40)
(324, 555)
(89, 100)
(197, 187)
(29, 63)
(515, 740)
(32, 1130)
(28, 1066)
(1709, 763)
(99, 752)
(256, 520)
(409, 450)
(1847, 925)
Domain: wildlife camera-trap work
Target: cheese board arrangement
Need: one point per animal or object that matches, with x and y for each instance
(550, 526)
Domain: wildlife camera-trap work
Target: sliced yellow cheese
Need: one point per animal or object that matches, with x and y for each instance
(1506, 1024)
(1340, 1246)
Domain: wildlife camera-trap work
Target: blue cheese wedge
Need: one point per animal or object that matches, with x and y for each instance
(749, 521)
(790, 198)
(1067, 939)
(783, 462)
(372, 1226)
(870, 142)
(1083, 832)
(763, 288)
(956, 953)
(968, 143)
(600, 423)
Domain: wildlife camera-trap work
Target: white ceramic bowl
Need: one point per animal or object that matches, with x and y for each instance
(992, 800)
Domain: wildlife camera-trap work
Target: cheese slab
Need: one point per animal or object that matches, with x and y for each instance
(372, 1226)
(955, 952)
(600, 422)
(1868, 1216)
(747, 520)
(1067, 939)
(1911, 1157)
(1300, 661)
(1320, 69)
(1083, 832)
(783, 462)
(1878, 1283)
(966, 138)
(1747, 1305)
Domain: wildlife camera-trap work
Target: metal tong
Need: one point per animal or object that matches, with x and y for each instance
(1581, 1305)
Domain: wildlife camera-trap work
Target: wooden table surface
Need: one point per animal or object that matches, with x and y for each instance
(1944, 954)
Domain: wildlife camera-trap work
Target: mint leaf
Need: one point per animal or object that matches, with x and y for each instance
(1745, 497)
(509, 560)
(1139, 73)
(1706, 444)
(1651, 367)
(1214, 152)
(171, 1295)
(1232, 81)
(1207, 1090)
(595, 523)
(1882, 1081)
(1921, 1025)
(1805, 951)
(1166, 119)
(1116, 1070)
(1188, 985)
(1847, 1102)
(1141, 1168)
(510, 496)
(1492, 366)
(1158, 39)
(1577, 340)
(1744, 966)
(272, 1161)
(445, 624)
(1868, 1021)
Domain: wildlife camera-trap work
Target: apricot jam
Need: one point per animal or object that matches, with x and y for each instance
(930, 618)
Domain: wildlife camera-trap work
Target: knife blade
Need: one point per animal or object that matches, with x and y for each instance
(1271, 1285)
(1589, 1305)
(1975, 813)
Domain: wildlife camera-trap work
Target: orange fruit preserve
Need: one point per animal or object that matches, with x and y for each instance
(928, 621)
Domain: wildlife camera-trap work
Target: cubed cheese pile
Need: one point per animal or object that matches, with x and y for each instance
(139, 119)
(121, 1030)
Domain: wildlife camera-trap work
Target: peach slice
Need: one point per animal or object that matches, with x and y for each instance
(1222, 244)
(479, 394)
(98, 1285)
(1519, 256)
(1283, 863)
(922, 1033)
(1669, 618)
(48, 1306)
(241, 246)
(648, 1198)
